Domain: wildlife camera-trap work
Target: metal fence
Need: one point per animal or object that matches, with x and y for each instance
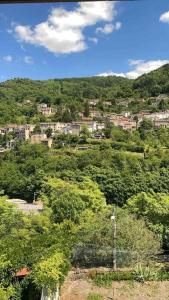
(92, 255)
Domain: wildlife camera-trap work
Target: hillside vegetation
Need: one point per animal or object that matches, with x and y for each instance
(123, 177)
(19, 97)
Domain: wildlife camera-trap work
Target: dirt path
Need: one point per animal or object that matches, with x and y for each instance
(77, 288)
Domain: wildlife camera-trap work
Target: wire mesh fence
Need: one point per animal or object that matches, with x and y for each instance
(92, 255)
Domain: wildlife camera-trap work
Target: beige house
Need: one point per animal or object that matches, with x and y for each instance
(45, 110)
(37, 138)
(55, 126)
(41, 138)
(30, 127)
(161, 123)
(22, 134)
(75, 129)
(125, 123)
(95, 114)
(91, 125)
(153, 116)
(94, 102)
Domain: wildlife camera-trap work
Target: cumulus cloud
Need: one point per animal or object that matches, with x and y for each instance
(7, 58)
(135, 62)
(145, 67)
(93, 39)
(140, 67)
(112, 74)
(63, 31)
(165, 17)
(28, 60)
(109, 28)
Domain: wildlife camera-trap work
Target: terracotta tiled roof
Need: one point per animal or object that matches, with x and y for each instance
(23, 272)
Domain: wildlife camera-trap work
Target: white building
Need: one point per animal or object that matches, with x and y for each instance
(55, 126)
(45, 110)
(91, 125)
(153, 116)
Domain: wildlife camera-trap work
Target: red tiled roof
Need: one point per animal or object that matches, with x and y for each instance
(22, 272)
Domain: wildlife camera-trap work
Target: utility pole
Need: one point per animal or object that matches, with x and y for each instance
(114, 227)
(34, 196)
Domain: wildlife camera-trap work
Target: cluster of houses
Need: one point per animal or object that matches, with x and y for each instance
(95, 123)
(157, 117)
(27, 132)
(45, 110)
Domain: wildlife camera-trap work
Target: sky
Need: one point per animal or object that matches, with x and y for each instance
(60, 40)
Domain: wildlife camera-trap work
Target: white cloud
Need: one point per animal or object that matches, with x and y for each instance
(112, 74)
(135, 62)
(7, 58)
(145, 67)
(93, 39)
(109, 28)
(62, 32)
(140, 67)
(28, 60)
(165, 17)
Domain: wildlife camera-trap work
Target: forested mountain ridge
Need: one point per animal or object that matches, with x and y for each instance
(75, 88)
(153, 83)
(19, 97)
(109, 87)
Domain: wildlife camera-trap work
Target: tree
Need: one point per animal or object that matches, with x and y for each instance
(10, 217)
(37, 129)
(68, 200)
(153, 207)
(30, 241)
(48, 132)
(146, 124)
(136, 119)
(162, 105)
(85, 134)
(135, 242)
(6, 294)
(86, 109)
(11, 178)
(108, 130)
(50, 272)
(68, 206)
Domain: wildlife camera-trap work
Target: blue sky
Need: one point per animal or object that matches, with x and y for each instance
(42, 41)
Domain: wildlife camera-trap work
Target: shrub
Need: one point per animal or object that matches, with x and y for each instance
(94, 296)
(143, 274)
(163, 275)
(105, 279)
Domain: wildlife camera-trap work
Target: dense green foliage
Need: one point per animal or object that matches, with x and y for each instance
(95, 239)
(140, 273)
(128, 171)
(154, 208)
(154, 83)
(19, 97)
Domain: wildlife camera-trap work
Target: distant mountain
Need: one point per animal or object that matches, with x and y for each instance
(111, 87)
(153, 83)
(51, 91)
(19, 97)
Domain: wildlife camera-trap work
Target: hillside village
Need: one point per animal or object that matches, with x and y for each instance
(84, 150)
(38, 111)
(79, 159)
(95, 123)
